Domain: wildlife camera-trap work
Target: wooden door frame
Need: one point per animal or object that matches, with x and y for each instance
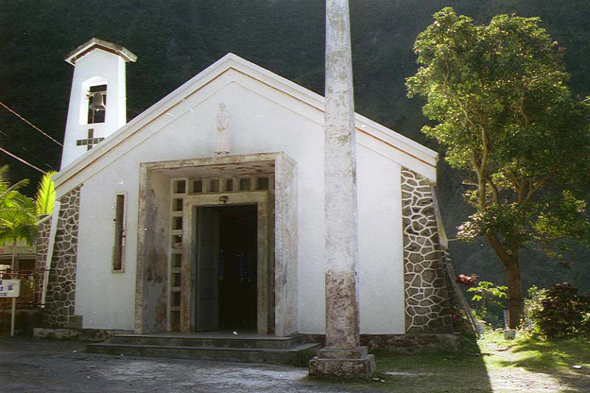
(265, 283)
(198, 268)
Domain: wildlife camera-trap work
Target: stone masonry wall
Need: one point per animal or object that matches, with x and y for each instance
(454, 296)
(425, 285)
(60, 298)
(41, 244)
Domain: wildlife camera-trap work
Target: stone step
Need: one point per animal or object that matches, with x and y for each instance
(214, 341)
(298, 355)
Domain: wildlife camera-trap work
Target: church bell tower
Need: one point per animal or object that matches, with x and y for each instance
(97, 99)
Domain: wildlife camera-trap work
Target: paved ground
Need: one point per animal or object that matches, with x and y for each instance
(36, 365)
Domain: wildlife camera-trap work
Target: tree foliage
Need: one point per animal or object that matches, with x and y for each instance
(17, 215)
(487, 294)
(506, 117)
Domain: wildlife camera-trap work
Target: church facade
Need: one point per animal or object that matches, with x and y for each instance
(206, 212)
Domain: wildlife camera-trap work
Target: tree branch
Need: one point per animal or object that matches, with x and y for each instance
(521, 190)
(474, 162)
(536, 188)
(485, 149)
(498, 247)
(495, 193)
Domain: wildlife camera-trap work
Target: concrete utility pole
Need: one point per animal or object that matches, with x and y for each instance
(343, 357)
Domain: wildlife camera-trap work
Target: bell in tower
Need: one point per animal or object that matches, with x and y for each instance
(97, 104)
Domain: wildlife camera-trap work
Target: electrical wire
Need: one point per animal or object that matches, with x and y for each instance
(21, 160)
(29, 123)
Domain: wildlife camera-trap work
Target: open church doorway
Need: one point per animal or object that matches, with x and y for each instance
(228, 264)
(227, 247)
(171, 193)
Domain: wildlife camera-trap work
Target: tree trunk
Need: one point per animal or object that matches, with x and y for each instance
(515, 301)
(511, 264)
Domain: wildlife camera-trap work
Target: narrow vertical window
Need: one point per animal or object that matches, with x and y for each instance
(245, 184)
(198, 186)
(214, 185)
(263, 183)
(119, 234)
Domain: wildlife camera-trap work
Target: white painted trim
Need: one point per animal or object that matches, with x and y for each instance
(41, 221)
(442, 233)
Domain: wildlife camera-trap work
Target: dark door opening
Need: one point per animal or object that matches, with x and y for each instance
(227, 298)
(238, 243)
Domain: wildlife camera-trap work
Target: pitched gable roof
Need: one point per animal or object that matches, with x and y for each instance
(96, 43)
(230, 62)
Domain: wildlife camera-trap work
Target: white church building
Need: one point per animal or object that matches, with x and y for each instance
(206, 211)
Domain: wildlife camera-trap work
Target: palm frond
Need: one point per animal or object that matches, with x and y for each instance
(6, 189)
(45, 194)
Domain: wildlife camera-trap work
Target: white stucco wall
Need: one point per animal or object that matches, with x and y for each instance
(96, 68)
(381, 273)
(262, 120)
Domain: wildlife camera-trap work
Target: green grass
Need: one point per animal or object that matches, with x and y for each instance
(538, 355)
(491, 364)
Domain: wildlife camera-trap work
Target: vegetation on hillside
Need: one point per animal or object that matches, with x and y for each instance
(175, 39)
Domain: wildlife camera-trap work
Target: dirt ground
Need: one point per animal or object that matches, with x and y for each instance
(36, 365)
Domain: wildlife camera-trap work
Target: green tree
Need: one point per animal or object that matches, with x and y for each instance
(507, 119)
(17, 215)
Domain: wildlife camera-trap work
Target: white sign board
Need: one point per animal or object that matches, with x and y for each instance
(9, 288)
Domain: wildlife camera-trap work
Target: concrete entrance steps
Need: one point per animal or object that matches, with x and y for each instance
(221, 346)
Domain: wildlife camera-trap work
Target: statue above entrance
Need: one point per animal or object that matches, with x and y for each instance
(223, 118)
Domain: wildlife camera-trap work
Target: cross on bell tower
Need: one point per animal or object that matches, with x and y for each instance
(90, 141)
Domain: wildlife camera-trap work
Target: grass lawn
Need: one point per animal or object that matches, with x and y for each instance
(490, 364)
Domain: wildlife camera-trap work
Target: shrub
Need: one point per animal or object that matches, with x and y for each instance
(559, 311)
(532, 308)
(487, 295)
